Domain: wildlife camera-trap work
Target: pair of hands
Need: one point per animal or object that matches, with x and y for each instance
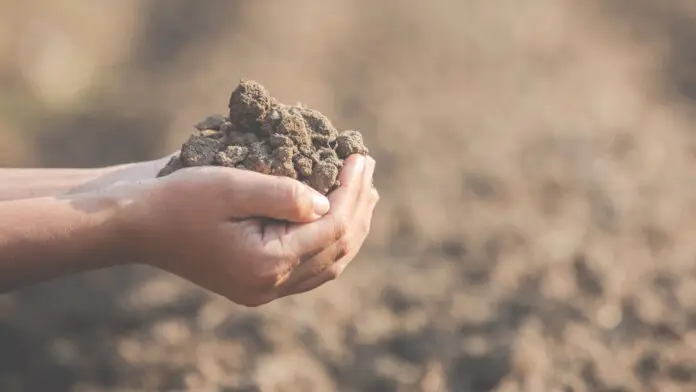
(250, 237)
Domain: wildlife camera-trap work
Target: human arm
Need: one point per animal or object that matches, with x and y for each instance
(47, 237)
(25, 183)
(250, 237)
(33, 183)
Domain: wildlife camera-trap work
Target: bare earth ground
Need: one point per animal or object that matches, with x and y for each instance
(537, 229)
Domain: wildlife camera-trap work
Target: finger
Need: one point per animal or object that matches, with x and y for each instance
(344, 199)
(367, 202)
(360, 226)
(368, 175)
(326, 266)
(313, 272)
(330, 263)
(310, 238)
(310, 241)
(309, 285)
(253, 195)
(323, 241)
(360, 233)
(317, 244)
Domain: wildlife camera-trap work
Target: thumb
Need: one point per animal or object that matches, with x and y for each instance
(256, 195)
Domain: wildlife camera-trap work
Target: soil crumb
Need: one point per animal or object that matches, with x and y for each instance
(269, 137)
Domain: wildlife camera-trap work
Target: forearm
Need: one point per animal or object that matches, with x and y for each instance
(44, 238)
(31, 183)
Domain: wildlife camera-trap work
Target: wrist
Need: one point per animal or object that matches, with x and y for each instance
(133, 227)
(49, 237)
(106, 234)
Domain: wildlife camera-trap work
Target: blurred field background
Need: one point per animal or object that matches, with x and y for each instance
(536, 161)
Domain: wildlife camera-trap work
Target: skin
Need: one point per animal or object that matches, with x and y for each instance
(31, 183)
(250, 237)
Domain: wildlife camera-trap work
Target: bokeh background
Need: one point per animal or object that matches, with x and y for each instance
(536, 161)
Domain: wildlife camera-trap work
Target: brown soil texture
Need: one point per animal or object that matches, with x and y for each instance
(266, 136)
(536, 163)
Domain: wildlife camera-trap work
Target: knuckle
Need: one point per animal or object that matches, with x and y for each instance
(287, 258)
(340, 226)
(336, 271)
(343, 247)
(285, 189)
(333, 273)
(289, 192)
(265, 279)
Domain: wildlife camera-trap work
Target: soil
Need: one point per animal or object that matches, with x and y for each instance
(269, 137)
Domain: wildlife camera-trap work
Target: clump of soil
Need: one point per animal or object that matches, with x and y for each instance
(266, 136)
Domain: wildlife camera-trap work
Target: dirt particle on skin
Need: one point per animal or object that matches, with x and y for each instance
(261, 134)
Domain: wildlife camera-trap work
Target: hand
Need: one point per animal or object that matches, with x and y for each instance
(250, 237)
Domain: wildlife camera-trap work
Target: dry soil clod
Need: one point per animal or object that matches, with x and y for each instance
(269, 137)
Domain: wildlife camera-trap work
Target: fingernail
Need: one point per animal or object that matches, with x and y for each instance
(321, 204)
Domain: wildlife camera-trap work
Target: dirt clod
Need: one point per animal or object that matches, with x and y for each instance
(214, 122)
(269, 137)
